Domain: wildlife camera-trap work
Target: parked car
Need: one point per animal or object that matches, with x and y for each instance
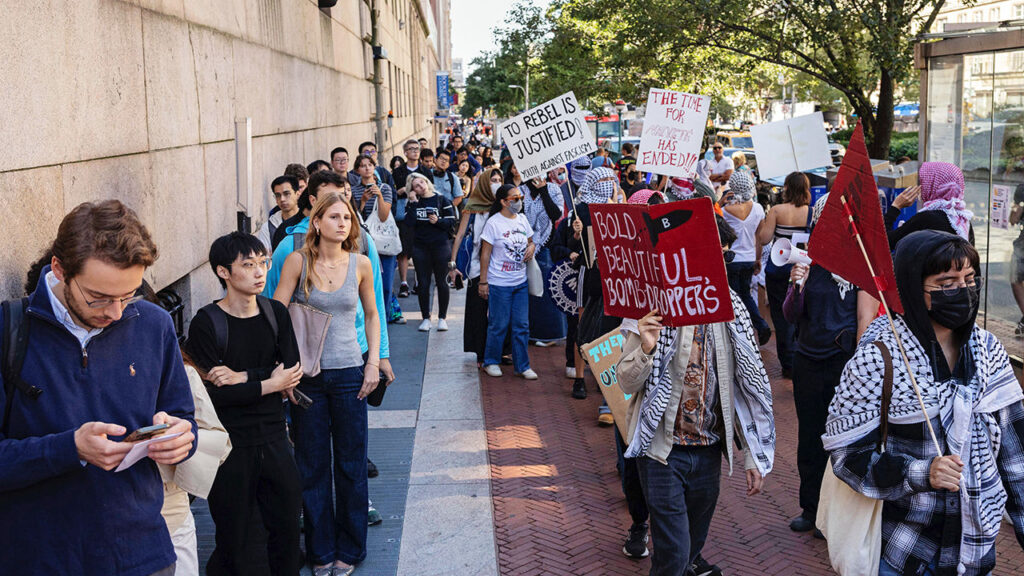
(837, 151)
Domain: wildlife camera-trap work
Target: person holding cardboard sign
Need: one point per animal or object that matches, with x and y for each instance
(697, 390)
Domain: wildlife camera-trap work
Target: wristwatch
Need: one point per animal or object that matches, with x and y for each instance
(451, 265)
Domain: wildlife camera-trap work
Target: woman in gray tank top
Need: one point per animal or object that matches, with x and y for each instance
(329, 274)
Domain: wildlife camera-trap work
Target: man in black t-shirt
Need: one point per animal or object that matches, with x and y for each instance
(246, 346)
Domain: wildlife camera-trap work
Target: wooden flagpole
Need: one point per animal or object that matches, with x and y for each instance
(892, 324)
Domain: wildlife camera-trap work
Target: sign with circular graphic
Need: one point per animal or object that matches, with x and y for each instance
(562, 284)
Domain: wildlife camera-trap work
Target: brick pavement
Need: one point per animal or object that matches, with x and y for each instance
(559, 510)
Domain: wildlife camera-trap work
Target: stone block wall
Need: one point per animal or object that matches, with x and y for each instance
(137, 100)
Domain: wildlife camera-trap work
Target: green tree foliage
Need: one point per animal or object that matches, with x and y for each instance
(861, 49)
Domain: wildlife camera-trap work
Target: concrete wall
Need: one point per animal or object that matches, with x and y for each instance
(137, 100)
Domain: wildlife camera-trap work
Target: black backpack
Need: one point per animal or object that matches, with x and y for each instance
(15, 347)
(220, 322)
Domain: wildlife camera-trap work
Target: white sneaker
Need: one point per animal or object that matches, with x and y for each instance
(442, 325)
(425, 325)
(570, 372)
(493, 370)
(529, 374)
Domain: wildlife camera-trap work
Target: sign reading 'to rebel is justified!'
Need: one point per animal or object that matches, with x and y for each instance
(548, 136)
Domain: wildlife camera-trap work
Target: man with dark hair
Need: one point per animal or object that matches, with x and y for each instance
(427, 158)
(424, 143)
(317, 166)
(445, 182)
(301, 175)
(699, 390)
(286, 195)
(455, 144)
(97, 364)
(246, 345)
(411, 148)
(339, 161)
(463, 154)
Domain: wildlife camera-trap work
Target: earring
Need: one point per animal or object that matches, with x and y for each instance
(317, 228)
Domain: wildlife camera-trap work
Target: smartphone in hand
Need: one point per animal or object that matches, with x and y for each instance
(146, 432)
(301, 400)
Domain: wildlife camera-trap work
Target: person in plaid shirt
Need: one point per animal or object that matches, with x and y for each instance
(941, 512)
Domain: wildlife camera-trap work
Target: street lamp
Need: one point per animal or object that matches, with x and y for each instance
(620, 106)
(526, 104)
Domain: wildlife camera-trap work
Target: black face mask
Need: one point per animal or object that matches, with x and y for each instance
(954, 311)
(729, 256)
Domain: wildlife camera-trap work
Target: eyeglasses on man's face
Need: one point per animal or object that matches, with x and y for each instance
(953, 287)
(106, 302)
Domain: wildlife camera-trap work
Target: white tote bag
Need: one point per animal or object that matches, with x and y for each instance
(385, 234)
(534, 278)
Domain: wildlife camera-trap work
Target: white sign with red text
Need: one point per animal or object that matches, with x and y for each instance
(673, 130)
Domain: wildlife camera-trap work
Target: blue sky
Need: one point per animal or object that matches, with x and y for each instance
(472, 22)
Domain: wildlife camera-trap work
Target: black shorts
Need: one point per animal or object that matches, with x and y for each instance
(407, 233)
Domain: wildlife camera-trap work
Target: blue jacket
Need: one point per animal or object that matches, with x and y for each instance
(287, 246)
(58, 516)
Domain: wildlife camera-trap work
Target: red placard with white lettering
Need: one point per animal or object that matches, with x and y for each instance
(665, 256)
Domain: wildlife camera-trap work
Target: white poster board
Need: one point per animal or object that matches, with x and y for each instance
(548, 136)
(1001, 204)
(792, 145)
(673, 130)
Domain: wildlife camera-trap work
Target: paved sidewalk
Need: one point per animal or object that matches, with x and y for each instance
(559, 509)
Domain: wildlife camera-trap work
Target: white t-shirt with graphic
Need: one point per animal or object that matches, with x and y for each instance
(508, 238)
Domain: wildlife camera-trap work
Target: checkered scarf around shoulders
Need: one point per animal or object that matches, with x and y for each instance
(967, 412)
(752, 397)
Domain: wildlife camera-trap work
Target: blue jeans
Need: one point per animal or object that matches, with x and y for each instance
(884, 569)
(740, 275)
(681, 498)
(508, 307)
(387, 278)
(334, 531)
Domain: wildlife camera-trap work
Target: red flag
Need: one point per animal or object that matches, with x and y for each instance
(834, 243)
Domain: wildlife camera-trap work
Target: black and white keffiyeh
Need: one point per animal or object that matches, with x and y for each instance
(752, 398)
(967, 412)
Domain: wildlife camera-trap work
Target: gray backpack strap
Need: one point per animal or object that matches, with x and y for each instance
(220, 328)
(268, 311)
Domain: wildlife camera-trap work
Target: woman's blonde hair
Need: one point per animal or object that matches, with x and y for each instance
(739, 159)
(410, 193)
(311, 248)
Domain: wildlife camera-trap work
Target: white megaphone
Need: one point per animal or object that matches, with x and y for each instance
(783, 253)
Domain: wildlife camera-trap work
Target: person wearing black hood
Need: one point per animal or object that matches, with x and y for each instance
(942, 511)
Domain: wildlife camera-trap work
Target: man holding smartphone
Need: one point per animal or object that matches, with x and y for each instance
(98, 364)
(247, 345)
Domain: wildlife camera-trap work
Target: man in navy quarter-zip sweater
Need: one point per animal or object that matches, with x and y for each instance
(106, 365)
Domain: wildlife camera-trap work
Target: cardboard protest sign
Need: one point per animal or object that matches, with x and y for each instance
(602, 355)
(673, 130)
(665, 256)
(853, 211)
(547, 136)
(792, 145)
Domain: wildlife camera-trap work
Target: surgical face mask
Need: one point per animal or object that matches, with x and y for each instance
(494, 187)
(516, 206)
(955, 310)
(561, 177)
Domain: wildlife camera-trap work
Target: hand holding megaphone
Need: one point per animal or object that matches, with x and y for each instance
(784, 253)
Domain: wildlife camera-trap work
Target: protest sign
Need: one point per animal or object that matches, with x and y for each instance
(602, 355)
(1001, 205)
(547, 136)
(673, 130)
(792, 145)
(665, 256)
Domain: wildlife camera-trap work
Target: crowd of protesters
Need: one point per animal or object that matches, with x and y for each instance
(264, 410)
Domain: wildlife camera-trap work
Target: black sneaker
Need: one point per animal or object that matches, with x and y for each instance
(701, 567)
(1019, 330)
(801, 524)
(579, 389)
(371, 469)
(403, 290)
(636, 543)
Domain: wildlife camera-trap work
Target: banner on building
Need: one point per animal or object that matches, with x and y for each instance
(547, 136)
(443, 96)
(666, 257)
(673, 131)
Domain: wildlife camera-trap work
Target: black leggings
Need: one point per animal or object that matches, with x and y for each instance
(432, 260)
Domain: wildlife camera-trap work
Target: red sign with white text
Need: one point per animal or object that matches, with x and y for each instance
(665, 256)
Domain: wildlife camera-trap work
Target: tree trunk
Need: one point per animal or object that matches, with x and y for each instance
(878, 146)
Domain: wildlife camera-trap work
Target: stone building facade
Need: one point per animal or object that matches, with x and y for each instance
(139, 100)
